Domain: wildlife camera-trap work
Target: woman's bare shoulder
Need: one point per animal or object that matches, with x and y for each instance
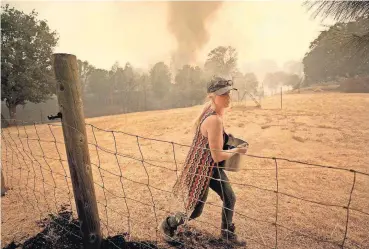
(212, 121)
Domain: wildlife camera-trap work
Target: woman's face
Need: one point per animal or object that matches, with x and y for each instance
(223, 101)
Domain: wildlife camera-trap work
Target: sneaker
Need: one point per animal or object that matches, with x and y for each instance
(167, 231)
(169, 226)
(230, 236)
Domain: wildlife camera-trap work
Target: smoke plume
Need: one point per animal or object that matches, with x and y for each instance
(187, 22)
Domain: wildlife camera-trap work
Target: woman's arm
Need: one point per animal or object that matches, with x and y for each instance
(214, 128)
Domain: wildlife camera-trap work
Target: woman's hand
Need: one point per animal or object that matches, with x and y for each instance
(242, 148)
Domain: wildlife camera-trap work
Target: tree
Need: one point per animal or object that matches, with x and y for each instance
(127, 82)
(129, 77)
(343, 11)
(160, 79)
(26, 49)
(251, 82)
(188, 76)
(245, 82)
(84, 72)
(116, 77)
(143, 84)
(221, 61)
(292, 80)
(99, 82)
(190, 85)
(330, 58)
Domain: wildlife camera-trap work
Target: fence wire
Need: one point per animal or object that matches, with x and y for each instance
(133, 178)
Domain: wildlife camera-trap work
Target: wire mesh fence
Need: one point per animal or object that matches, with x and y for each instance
(281, 203)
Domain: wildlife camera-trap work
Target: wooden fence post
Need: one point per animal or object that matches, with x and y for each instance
(70, 105)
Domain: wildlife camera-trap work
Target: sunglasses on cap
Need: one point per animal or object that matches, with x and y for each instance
(225, 82)
(220, 86)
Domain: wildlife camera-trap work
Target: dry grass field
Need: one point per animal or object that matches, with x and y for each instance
(134, 195)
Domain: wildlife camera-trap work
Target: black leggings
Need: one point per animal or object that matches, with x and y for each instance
(220, 184)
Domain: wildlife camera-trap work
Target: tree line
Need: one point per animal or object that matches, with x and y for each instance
(342, 51)
(27, 76)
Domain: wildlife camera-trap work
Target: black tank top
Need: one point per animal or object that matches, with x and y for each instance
(225, 147)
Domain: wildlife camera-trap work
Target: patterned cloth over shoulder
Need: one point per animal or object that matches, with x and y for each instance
(198, 167)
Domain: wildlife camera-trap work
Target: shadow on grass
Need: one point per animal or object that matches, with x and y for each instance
(62, 231)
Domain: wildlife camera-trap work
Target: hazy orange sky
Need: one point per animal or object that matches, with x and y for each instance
(105, 32)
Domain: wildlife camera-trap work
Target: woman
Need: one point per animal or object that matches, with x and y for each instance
(204, 164)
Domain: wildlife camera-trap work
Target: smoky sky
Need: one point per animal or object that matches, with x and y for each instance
(187, 22)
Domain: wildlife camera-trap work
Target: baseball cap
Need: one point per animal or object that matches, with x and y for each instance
(220, 86)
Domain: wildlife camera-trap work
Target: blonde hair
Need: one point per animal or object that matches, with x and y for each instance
(209, 103)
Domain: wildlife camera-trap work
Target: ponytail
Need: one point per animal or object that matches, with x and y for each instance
(208, 104)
